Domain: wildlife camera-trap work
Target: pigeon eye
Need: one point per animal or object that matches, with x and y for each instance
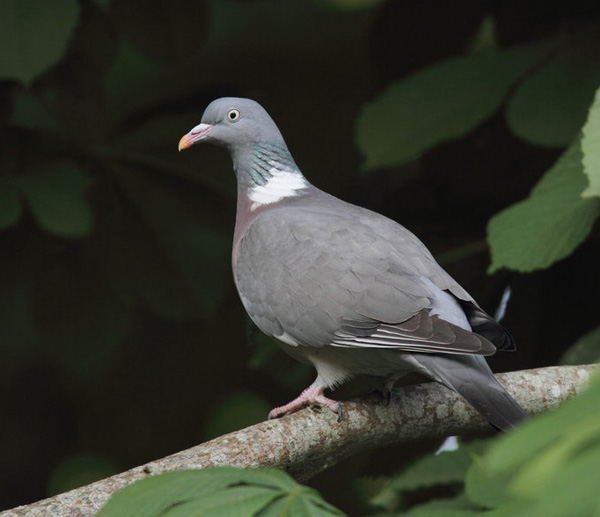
(233, 115)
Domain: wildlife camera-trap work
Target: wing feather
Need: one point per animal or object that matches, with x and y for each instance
(421, 333)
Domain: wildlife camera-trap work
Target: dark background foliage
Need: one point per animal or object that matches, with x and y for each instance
(121, 335)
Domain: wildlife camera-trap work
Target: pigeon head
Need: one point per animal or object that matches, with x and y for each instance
(234, 123)
(265, 169)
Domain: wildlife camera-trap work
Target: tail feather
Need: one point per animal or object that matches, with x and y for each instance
(471, 377)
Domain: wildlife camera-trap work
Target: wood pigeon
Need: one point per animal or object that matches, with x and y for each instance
(341, 287)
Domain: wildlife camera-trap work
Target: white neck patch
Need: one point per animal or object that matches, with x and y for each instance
(282, 184)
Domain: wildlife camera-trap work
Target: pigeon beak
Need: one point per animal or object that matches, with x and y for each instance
(195, 135)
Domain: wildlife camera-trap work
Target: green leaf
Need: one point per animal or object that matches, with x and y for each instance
(543, 431)
(549, 466)
(486, 487)
(456, 507)
(34, 35)
(271, 477)
(550, 107)
(590, 146)
(56, 196)
(573, 488)
(312, 503)
(439, 469)
(440, 103)
(29, 112)
(10, 204)
(445, 468)
(532, 479)
(585, 350)
(235, 501)
(217, 491)
(152, 496)
(549, 224)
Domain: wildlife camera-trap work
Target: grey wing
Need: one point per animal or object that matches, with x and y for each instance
(316, 277)
(422, 263)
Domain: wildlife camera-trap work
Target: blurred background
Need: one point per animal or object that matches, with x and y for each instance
(122, 338)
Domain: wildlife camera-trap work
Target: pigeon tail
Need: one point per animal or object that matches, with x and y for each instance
(471, 377)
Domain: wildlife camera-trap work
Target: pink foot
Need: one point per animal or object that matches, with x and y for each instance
(311, 395)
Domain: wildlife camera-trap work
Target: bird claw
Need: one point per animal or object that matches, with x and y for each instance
(384, 392)
(313, 395)
(387, 394)
(385, 387)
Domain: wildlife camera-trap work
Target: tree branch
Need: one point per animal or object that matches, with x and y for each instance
(311, 441)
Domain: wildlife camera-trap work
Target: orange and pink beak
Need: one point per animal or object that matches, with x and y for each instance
(195, 135)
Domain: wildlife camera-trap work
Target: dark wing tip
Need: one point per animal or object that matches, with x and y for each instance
(484, 325)
(422, 333)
